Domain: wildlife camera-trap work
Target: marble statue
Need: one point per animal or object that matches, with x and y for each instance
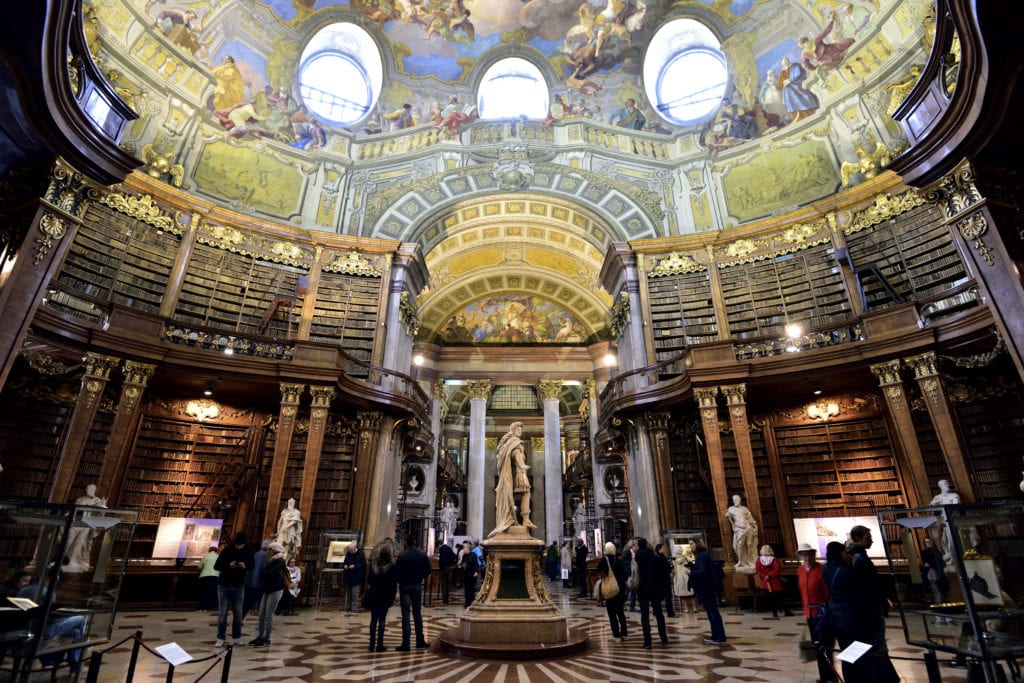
(79, 538)
(744, 534)
(449, 517)
(289, 529)
(512, 479)
(579, 519)
(945, 497)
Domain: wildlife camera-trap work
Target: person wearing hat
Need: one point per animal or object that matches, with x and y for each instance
(273, 588)
(232, 564)
(814, 595)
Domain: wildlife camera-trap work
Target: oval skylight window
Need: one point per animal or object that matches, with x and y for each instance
(685, 72)
(340, 73)
(513, 87)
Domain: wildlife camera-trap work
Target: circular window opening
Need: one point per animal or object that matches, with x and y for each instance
(340, 73)
(513, 87)
(685, 72)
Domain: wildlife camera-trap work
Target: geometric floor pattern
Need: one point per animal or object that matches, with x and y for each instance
(330, 645)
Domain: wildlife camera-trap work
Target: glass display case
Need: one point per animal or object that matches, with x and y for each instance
(966, 564)
(330, 558)
(63, 566)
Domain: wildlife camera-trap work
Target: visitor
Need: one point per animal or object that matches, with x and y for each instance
(383, 582)
(814, 595)
(705, 583)
(208, 579)
(273, 579)
(412, 569)
(769, 571)
(610, 564)
(233, 563)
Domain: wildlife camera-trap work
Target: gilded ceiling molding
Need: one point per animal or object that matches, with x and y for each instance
(549, 389)
(142, 208)
(478, 389)
(955, 192)
(407, 314)
(675, 264)
(886, 206)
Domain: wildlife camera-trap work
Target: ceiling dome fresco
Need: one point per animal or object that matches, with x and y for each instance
(393, 119)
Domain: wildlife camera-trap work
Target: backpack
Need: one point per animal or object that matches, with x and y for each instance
(633, 582)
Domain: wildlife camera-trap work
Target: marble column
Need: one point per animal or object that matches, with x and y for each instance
(290, 396)
(125, 427)
(908, 454)
(591, 418)
(479, 391)
(642, 483)
(438, 394)
(930, 383)
(94, 381)
(550, 391)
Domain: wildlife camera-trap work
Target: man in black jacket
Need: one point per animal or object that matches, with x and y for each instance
(354, 570)
(412, 568)
(651, 592)
(232, 564)
(581, 566)
(445, 564)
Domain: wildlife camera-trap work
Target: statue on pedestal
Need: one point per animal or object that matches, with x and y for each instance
(289, 529)
(946, 497)
(449, 518)
(744, 534)
(579, 519)
(512, 479)
(78, 539)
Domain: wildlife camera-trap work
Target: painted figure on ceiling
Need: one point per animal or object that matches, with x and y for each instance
(800, 102)
(821, 54)
(599, 41)
(230, 89)
(629, 116)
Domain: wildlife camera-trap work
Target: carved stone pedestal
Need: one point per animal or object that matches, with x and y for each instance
(513, 616)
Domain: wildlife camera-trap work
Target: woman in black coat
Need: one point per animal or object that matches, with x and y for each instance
(616, 606)
(383, 580)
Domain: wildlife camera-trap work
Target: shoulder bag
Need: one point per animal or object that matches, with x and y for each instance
(609, 584)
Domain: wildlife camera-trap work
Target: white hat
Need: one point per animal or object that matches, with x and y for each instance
(806, 548)
(275, 547)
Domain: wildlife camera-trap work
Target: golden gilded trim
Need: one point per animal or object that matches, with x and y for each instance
(735, 394)
(888, 373)
(142, 208)
(322, 396)
(353, 263)
(706, 397)
(955, 192)
(549, 389)
(291, 393)
(885, 207)
(138, 373)
(45, 365)
(408, 315)
(794, 238)
(620, 316)
(923, 365)
(675, 264)
(53, 230)
(478, 389)
(972, 228)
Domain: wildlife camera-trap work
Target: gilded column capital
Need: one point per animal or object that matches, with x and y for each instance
(923, 365)
(369, 421)
(955, 192)
(322, 396)
(584, 410)
(658, 421)
(549, 389)
(99, 366)
(138, 373)
(479, 389)
(888, 373)
(291, 393)
(735, 394)
(590, 389)
(440, 390)
(707, 397)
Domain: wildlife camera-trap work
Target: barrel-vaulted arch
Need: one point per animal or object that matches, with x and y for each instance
(514, 243)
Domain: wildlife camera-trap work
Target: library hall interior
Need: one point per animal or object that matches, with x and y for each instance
(511, 340)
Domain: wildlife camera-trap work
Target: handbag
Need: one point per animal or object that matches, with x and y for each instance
(609, 584)
(367, 599)
(633, 582)
(597, 590)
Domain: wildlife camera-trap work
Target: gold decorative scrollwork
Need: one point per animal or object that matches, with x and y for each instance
(45, 365)
(885, 207)
(973, 228)
(620, 316)
(930, 387)
(955, 192)
(549, 389)
(676, 264)
(53, 229)
(353, 263)
(142, 208)
(408, 315)
(479, 389)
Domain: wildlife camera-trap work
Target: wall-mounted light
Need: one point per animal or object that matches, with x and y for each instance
(418, 359)
(610, 361)
(208, 391)
(793, 330)
(822, 411)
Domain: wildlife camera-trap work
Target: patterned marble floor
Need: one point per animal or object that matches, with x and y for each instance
(329, 645)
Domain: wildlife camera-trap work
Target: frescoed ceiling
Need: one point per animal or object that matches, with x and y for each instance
(515, 215)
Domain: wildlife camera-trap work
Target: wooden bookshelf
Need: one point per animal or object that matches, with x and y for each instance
(695, 500)
(832, 468)
(682, 312)
(993, 429)
(118, 259)
(346, 311)
(94, 450)
(33, 428)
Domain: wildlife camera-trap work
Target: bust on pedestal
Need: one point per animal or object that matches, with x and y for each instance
(513, 615)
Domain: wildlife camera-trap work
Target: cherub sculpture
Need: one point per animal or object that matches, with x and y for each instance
(867, 164)
(159, 164)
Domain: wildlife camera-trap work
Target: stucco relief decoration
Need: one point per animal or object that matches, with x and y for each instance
(53, 230)
(353, 263)
(202, 410)
(408, 315)
(620, 316)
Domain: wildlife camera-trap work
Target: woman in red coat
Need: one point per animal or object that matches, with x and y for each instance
(769, 570)
(814, 595)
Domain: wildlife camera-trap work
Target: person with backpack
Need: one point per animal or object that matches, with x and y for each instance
(469, 567)
(705, 583)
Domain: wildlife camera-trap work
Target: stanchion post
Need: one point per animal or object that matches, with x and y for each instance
(95, 661)
(170, 673)
(226, 671)
(931, 665)
(134, 659)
